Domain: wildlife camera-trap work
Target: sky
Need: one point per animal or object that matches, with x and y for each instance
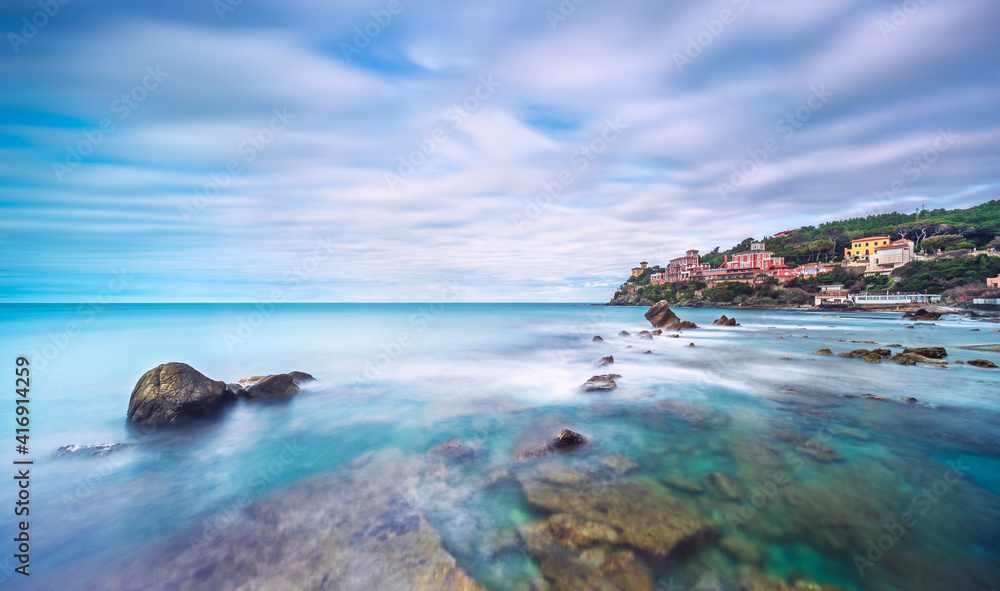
(419, 150)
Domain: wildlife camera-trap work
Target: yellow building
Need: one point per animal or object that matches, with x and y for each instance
(636, 271)
(862, 247)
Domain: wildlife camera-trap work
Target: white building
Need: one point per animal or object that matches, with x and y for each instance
(889, 256)
(888, 299)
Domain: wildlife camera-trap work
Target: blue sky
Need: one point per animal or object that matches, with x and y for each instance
(523, 150)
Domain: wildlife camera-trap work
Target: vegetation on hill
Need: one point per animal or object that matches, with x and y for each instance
(938, 275)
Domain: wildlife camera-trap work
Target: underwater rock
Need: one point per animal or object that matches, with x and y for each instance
(742, 549)
(353, 530)
(174, 391)
(981, 363)
(597, 568)
(620, 463)
(683, 484)
(699, 415)
(823, 352)
(602, 383)
(91, 450)
(726, 487)
(452, 449)
(637, 512)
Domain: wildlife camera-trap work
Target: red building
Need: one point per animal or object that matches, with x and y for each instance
(681, 269)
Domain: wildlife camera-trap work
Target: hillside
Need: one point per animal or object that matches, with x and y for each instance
(938, 230)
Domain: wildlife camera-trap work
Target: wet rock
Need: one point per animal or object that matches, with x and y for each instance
(909, 358)
(274, 386)
(624, 333)
(867, 397)
(690, 344)
(597, 338)
(173, 391)
(646, 352)
(910, 326)
(932, 352)
(564, 441)
(823, 352)
(605, 360)
(646, 335)
(661, 316)
(958, 362)
(882, 352)
(601, 383)
(910, 399)
(620, 464)
(301, 377)
(699, 415)
(674, 336)
(638, 513)
(688, 324)
(725, 321)
(725, 486)
(91, 450)
(683, 484)
(981, 363)
(786, 358)
(657, 332)
(922, 315)
(452, 449)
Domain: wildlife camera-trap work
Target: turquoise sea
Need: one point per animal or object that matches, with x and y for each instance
(793, 476)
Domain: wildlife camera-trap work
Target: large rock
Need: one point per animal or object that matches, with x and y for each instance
(922, 314)
(982, 363)
(932, 352)
(274, 386)
(661, 316)
(725, 321)
(172, 391)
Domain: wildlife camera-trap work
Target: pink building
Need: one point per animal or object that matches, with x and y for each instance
(680, 269)
(755, 258)
(993, 281)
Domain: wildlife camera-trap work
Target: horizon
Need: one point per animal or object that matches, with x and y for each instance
(381, 151)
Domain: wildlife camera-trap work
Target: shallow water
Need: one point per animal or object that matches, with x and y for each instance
(500, 378)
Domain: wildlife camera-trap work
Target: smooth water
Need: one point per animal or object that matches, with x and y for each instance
(501, 377)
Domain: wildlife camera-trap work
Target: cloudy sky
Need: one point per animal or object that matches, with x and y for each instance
(527, 150)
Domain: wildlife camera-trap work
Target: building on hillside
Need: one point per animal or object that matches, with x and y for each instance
(813, 269)
(757, 257)
(890, 256)
(636, 271)
(832, 294)
(993, 281)
(684, 268)
(783, 273)
(864, 247)
(883, 299)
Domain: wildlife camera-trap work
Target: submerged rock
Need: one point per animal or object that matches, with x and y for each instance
(601, 383)
(173, 391)
(620, 464)
(725, 486)
(699, 415)
(91, 450)
(452, 449)
(981, 363)
(681, 483)
(637, 513)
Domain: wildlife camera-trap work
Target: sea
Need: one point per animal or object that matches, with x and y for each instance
(803, 469)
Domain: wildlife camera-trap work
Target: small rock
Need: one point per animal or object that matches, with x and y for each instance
(982, 363)
(597, 338)
(823, 352)
(624, 333)
(452, 449)
(725, 485)
(678, 482)
(690, 344)
(565, 440)
(646, 352)
(605, 360)
(602, 383)
(910, 399)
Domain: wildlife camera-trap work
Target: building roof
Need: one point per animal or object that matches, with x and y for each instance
(870, 238)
